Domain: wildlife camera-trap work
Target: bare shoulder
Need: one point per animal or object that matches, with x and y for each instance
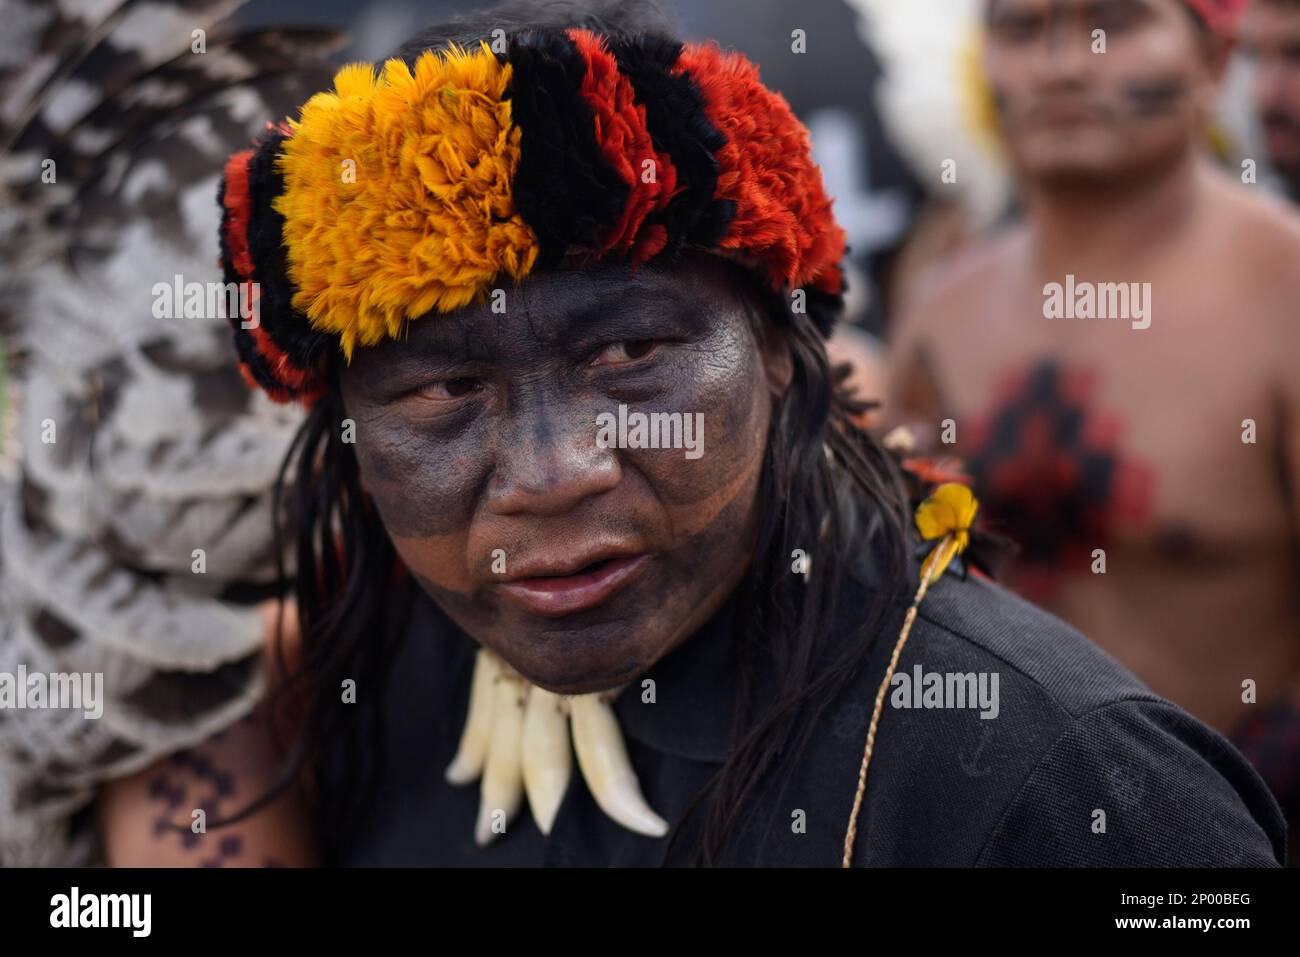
(1255, 243)
(937, 320)
(1271, 269)
(1264, 232)
(944, 296)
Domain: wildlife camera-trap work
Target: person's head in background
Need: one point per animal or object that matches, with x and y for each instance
(1103, 92)
(1270, 36)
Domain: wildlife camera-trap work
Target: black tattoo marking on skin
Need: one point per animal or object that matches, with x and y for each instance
(1155, 97)
(172, 794)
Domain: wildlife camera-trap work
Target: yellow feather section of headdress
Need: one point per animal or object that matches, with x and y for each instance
(397, 194)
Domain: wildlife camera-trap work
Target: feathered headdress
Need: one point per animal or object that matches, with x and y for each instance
(416, 188)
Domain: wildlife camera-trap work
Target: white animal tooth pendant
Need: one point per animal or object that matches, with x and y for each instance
(516, 737)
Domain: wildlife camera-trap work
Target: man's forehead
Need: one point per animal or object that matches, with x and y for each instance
(1218, 14)
(565, 300)
(1074, 7)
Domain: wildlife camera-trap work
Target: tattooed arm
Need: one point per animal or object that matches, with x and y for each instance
(149, 819)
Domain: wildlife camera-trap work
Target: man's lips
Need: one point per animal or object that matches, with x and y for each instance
(588, 586)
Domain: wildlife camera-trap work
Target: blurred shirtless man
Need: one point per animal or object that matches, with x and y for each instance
(1150, 512)
(1270, 34)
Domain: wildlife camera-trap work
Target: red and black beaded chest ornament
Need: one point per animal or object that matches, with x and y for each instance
(412, 189)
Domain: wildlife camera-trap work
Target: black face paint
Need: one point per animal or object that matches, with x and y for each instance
(513, 465)
(579, 640)
(427, 471)
(1154, 98)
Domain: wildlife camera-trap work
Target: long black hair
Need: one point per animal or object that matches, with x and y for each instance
(823, 479)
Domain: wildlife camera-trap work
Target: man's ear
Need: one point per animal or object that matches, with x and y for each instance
(778, 364)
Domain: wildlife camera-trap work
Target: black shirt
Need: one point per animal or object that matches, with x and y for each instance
(1077, 743)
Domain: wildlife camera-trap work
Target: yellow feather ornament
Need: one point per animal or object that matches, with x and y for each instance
(946, 516)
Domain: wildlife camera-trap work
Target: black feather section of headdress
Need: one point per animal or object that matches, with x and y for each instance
(289, 329)
(679, 126)
(563, 187)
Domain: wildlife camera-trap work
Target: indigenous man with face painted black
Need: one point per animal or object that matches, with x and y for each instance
(521, 645)
(1147, 463)
(1270, 38)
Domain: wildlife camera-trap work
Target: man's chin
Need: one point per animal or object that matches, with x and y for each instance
(1079, 175)
(1067, 160)
(571, 677)
(582, 660)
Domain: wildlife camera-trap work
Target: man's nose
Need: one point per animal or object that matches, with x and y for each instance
(1064, 51)
(546, 466)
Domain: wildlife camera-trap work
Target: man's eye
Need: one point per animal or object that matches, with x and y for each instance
(629, 350)
(1016, 27)
(1116, 18)
(447, 389)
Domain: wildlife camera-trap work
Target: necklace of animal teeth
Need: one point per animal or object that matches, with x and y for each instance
(516, 737)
